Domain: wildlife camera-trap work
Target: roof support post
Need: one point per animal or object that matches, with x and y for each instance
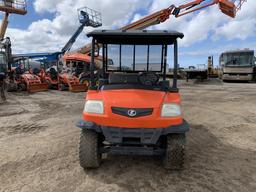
(175, 69)
(92, 85)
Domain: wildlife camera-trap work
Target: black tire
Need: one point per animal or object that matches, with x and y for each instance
(61, 87)
(174, 154)
(49, 84)
(89, 155)
(85, 81)
(22, 87)
(11, 87)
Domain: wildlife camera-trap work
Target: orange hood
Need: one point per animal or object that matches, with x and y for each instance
(133, 98)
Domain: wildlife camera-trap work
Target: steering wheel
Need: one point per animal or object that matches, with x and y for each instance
(148, 79)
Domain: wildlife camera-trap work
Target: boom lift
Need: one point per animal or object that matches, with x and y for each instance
(67, 80)
(11, 6)
(228, 7)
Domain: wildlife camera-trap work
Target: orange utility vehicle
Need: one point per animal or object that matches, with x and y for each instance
(132, 111)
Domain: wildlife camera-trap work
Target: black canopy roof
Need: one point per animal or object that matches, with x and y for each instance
(157, 37)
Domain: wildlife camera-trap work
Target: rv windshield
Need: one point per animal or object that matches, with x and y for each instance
(135, 57)
(238, 59)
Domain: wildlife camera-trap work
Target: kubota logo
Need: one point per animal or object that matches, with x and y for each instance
(132, 113)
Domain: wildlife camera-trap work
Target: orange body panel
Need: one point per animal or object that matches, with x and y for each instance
(72, 82)
(133, 98)
(33, 83)
(77, 57)
(227, 8)
(46, 77)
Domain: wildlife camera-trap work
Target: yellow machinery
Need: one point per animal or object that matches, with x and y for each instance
(11, 6)
(212, 72)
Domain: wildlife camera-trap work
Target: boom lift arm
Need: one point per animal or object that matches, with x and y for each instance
(85, 19)
(228, 7)
(11, 6)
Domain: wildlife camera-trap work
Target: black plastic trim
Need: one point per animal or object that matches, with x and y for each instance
(140, 112)
(147, 135)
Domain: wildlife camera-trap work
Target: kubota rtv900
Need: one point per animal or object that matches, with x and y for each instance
(132, 111)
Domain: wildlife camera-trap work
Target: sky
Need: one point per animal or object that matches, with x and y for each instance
(49, 24)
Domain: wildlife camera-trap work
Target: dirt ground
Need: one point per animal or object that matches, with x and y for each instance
(39, 145)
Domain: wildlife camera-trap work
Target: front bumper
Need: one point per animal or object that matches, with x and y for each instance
(142, 135)
(237, 77)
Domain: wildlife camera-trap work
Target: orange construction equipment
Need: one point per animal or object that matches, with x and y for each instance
(31, 83)
(68, 81)
(26, 82)
(50, 77)
(23, 78)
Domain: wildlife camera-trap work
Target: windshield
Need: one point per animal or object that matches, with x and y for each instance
(135, 58)
(3, 63)
(238, 59)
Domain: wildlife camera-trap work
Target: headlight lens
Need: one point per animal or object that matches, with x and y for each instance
(94, 106)
(171, 110)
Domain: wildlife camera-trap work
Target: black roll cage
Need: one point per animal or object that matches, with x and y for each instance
(163, 63)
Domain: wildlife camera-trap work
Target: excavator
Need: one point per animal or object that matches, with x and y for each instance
(228, 7)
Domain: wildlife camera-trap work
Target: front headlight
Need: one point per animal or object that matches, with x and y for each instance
(170, 110)
(94, 106)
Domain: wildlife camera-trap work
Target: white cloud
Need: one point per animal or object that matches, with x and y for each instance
(50, 35)
(47, 35)
(211, 22)
(243, 26)
(46, 5)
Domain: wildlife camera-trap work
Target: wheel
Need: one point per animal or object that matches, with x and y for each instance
(49, 84)
(2, 90)
(11, 87)
(174, 154)
(61, 87)
(85, 81)
(89, 155)
(22, 87)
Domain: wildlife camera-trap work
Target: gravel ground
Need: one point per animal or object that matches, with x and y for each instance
(39, 145)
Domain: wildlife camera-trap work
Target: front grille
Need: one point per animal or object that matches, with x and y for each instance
(131, 135)
(132, 112)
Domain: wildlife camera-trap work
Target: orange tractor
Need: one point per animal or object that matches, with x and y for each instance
(62, 81)
(23, 78)
(81, 64)
(49, 76)
(68, 81)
